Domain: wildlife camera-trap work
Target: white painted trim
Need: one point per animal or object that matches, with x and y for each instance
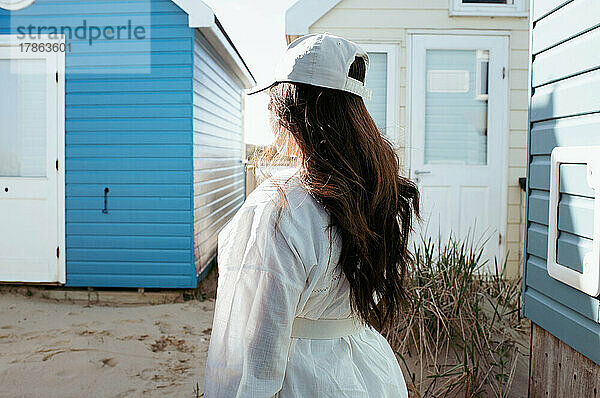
(14, 41)
(589, 280)
(505, 146)
(393, 87)
(408, 100)
(60, 128)
(458, 8)
(303, 13)
(202, 17)
(199, 14)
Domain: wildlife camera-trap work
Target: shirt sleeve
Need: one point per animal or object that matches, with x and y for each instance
(261, 278)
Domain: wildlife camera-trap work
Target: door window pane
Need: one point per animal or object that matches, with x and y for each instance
(455, 109)
(377, 81)
(23, 118)
(481, 80)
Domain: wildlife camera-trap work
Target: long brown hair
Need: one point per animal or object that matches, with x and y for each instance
(352, 170)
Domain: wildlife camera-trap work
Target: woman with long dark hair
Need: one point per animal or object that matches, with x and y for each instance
(314, 261)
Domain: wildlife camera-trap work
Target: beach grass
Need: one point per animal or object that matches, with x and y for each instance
(463, 333)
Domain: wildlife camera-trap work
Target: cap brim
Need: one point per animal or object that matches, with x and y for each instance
(261, 87)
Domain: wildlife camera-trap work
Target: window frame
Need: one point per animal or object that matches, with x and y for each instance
(517, 9)
(392, 110)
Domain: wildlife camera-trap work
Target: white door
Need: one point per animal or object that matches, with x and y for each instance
(31, 186)
(458, 112)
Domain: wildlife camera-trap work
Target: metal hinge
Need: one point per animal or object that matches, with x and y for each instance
(56, 164)
(503, 72)
(57, 76)
(57, 251)
(499, 238)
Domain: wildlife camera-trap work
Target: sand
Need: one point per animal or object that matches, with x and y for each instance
(52, 348)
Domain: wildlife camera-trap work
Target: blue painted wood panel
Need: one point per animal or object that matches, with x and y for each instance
(128, 127)
(579, 332)
(582, 15)
(581, 52)
(219, 178)
(539, 280)
(569, 131)
(564, 111)
(574, 96)
(542, 8)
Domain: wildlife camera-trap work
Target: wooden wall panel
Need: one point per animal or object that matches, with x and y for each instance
(219, 179)
(557, 370)
(564, 110)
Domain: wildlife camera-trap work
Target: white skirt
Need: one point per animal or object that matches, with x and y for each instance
(356, 366)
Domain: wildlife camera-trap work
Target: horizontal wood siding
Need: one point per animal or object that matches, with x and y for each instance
(564, 111)
(129, 128)
(390, 22)
(218, 139)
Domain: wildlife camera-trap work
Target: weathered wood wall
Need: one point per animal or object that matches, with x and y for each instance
(557, 370)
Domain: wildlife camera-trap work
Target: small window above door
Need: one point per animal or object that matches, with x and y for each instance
(513, 8)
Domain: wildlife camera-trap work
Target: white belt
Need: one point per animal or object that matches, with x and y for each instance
(304, 328)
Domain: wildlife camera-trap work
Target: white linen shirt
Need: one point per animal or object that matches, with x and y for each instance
(276, 263)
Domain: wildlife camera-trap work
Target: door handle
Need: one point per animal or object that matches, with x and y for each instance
(420, 172)
(105, 210)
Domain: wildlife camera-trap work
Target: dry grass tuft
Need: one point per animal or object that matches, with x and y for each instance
(462, 332)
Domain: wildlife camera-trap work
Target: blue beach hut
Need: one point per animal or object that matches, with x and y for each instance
(121, 141)
(561, 275)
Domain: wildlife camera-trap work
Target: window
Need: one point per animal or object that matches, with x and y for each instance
(482, 72)
(381, 79)
(23, 115)
(455, 115)
(377, 82)
(515, 8)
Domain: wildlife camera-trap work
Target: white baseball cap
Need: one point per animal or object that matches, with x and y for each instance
(320, 59)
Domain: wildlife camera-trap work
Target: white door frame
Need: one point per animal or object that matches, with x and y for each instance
(13, 42)
(502, 99)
